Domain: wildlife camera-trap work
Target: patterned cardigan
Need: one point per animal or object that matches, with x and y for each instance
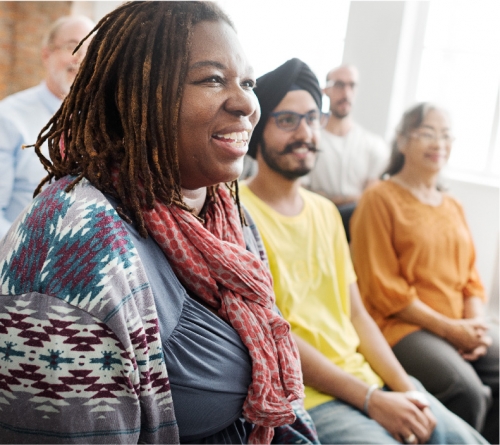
(81, 359)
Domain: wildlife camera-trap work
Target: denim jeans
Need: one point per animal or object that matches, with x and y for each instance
(339, 423)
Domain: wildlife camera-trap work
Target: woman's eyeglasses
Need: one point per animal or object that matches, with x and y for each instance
(428, 137)
(290, 120)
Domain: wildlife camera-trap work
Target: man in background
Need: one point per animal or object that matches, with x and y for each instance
(350, 157)
(24, 114)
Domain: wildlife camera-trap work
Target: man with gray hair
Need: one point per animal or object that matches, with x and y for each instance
(24, 114)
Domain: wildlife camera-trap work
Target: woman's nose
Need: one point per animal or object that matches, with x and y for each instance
(242, 102)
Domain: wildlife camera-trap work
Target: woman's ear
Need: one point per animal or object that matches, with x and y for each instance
(401, 142)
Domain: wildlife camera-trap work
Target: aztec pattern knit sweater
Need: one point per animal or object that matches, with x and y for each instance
(80, 353)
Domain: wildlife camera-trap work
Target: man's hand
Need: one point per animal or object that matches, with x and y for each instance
(406, 419)
(420, 400)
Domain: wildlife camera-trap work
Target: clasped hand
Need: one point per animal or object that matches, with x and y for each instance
(469, 336)
(403, 416)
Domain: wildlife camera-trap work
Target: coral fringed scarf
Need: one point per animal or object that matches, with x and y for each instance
(211, 261)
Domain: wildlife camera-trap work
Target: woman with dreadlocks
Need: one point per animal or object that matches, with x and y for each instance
(135, 304)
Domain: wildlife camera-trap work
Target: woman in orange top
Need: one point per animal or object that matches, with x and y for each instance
(414, 258)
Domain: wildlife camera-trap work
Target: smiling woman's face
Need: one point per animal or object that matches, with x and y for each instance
(428, 147)
(218, 110)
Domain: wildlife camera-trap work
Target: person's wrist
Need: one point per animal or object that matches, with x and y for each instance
(448, 326)
(368, 396)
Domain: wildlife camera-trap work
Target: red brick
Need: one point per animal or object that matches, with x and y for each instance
(23, 25)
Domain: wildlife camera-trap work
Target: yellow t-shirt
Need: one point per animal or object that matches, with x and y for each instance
(312, 270)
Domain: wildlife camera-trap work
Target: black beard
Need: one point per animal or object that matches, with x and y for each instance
(297, 144)
(273, 165)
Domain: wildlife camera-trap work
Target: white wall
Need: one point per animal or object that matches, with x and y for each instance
(371, 43)
(101, 8)
(481, 203)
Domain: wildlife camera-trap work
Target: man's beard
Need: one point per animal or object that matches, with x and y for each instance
(340, 115)
(272, 160)
(63, 81)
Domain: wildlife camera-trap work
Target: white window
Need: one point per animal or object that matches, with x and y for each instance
(460, 70)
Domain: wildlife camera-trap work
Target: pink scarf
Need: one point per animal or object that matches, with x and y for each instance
(213, 263)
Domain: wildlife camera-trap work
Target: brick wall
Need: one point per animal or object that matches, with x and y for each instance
(22, 27)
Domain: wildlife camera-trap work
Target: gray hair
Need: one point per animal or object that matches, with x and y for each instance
(54, 28)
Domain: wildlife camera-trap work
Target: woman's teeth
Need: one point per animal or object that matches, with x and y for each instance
(234, 137)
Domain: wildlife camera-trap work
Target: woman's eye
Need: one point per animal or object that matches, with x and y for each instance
(213, 79)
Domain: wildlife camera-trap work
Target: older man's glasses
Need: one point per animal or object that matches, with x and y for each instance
(290, 120)
(69, 47)
(340, 85)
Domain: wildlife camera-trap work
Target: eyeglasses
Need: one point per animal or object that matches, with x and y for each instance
(69, 47)
(290, 120)
(428, 137)
(340, 85)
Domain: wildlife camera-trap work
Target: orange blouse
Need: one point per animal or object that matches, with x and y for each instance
(404, 249)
